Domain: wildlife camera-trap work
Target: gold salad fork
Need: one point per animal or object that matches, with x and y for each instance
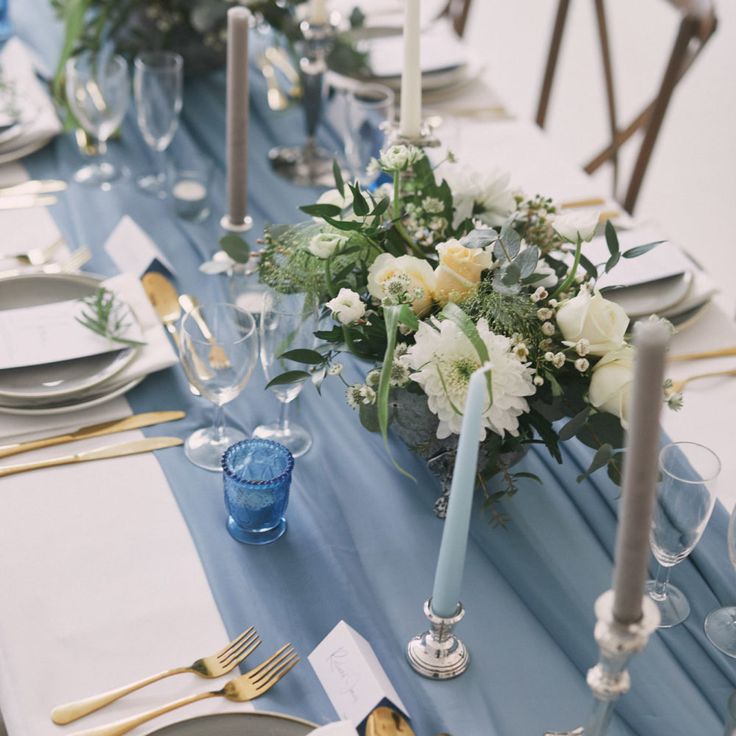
(216, 665)
(678, 386)
(249, 686)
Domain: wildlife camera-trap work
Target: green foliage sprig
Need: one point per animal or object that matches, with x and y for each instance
(108, 317)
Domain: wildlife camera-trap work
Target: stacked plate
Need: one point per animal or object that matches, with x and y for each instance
(63, 386)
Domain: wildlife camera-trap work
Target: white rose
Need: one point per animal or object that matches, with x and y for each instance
(346, 307)
(610, 383)
(574, 224)
(458, 274)
(323, 245)
(484, 196)
(595, 319)
(345, 203)
(400, 157)
(418, 272)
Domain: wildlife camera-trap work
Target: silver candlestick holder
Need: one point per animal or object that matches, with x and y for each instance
(617, 644)
(438, 653)
(237, 228)
(309, 165)
(425, 139)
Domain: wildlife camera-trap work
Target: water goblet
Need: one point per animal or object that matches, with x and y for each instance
(98, 91)
(684, 503)
(157, 86)
(720, 625)
(219, 350)
(288, 321)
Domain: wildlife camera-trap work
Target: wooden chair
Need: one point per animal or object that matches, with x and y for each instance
(697, 25)
(457, 11)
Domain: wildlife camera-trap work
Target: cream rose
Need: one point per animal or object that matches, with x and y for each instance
(595, 319)
(419, 275)
(610, 383)
(459, 271)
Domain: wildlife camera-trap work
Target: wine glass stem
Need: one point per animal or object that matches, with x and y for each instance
(284, 416)
(218, 421)
(159, 165)
(661, 581)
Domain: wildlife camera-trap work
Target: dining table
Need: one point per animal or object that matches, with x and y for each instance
(113, 570)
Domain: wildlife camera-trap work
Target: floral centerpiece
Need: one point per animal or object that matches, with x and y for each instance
(429, 277)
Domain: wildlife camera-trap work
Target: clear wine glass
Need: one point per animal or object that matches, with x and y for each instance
(685, 500)
(219, 350)
(288, 322)
(157, 86)
(98, 92)
(720, 625)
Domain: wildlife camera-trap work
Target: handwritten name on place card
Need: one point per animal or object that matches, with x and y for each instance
(351, 674)
(50, 333)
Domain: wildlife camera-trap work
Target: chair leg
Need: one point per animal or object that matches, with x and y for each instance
(610, 92)
(554, 52)
(689, 29)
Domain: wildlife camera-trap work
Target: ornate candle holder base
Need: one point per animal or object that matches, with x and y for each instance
(438, 653)
(308, 165)
(231, 227)
(617, 643)
(425, 139)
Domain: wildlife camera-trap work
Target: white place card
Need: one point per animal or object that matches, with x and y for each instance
(339, 728)
(131, 250)
(50, 333)
(351, 674)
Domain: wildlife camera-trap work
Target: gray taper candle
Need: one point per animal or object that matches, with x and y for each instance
(238, 25)
(640, 471)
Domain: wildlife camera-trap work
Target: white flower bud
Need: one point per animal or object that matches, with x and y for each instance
(558, 360)
(582, 364)
(539, 294)
(548, 329)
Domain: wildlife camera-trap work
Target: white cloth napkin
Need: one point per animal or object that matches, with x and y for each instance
(339, 728)
(43, 124)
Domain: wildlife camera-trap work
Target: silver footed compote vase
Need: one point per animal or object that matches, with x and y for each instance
(309, 165)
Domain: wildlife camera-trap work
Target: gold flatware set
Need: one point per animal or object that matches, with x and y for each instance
(248, 686)
(678, 386)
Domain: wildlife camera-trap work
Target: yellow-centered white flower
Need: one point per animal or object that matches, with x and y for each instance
(595, 319)
(610, 383)
(419, 275)
(443, 359)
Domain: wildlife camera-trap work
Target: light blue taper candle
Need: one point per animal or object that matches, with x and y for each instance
(449, 575)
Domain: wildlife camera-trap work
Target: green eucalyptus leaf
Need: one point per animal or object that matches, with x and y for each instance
(590, 268)
(333, 335)
(480, 238)
(381, 207)
(349, 225)
(600, 460)
(527, 260)
(235, 247)
(289, 377)
(640, 250)
(303, 355)
(574, 425)
(511, 274)
(612, 261)
(511, 242)
(321, 210)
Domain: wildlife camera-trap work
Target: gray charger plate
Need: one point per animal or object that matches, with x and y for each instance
(54, 382)
(259, 723)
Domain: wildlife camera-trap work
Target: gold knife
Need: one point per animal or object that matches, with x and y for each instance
(718, 353)
(35, 186)
(124, 448)
(23, 201)
(94, 430)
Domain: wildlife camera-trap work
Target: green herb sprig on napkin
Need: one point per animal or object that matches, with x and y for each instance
(106, 315)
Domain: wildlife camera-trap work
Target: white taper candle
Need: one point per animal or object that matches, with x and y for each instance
(640, 471)
(411, 76)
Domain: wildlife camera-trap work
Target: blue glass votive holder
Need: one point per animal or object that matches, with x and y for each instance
(257, 478)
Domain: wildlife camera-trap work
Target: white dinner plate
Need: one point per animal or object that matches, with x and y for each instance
(64, 380)
(259, 723)
(652, 298)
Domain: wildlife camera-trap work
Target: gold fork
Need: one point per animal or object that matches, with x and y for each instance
(217, 357)
(249, 686)
(216, 665)
(678, 386)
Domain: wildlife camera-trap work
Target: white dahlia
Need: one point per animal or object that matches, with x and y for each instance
(443, 359)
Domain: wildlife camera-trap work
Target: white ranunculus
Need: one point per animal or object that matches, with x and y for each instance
(417, 271)
(610, 383)
(443, 359)
(345, 203)
(595, 319)
(485, 196)
(324, 244)
(346, 307)
(400, 157)
(574, 224)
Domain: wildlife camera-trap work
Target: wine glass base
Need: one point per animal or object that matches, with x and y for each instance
(153, 184)
(295, 438)
(204, 448)
(97, 174)
(720, 628)
(306, 166)
(673, 609)
(258, 537)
